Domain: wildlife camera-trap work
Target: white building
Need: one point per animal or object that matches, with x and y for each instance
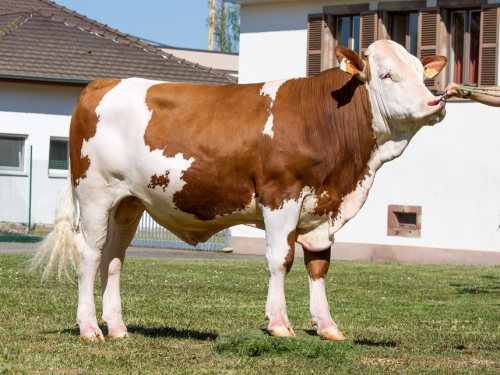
(48, 54)
(440, 201)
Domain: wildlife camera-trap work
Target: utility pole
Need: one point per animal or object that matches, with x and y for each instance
(211, 26)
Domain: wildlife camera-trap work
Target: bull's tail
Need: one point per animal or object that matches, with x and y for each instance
(59, 248)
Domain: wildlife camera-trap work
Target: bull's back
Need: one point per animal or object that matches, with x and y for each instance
(187, 146)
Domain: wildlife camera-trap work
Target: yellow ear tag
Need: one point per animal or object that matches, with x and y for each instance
(430, 73)
(349, 69)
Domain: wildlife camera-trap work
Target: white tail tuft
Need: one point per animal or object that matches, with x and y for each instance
(59, 248)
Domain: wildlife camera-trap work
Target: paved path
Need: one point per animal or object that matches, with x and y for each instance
(139, 252)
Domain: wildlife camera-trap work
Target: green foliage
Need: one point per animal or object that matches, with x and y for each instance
(206, 316)
(257, 343)
(226, 26)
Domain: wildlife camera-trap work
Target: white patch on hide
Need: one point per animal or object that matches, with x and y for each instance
(343, 64)
(352, 202)
(270, 89)
(118, 147)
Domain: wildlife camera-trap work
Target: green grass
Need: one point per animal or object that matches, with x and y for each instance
(206, 316)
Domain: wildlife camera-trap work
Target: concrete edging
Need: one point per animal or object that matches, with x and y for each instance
(381, 253)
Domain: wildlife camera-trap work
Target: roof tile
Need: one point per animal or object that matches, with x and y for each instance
(39, 38)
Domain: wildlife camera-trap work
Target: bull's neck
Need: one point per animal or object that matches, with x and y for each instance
(342, 108)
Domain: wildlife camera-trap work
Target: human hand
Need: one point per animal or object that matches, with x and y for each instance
(451, 90)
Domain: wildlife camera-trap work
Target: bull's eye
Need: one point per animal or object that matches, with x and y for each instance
(385, 76)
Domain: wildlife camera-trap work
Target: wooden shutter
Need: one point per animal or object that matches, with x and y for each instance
(488, 46)
(429, 20)
(368, 30)
(315, 24)
(320, 54)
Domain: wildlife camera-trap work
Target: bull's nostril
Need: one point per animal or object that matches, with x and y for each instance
(434, 102)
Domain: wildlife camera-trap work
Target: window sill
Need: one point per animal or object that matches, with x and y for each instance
(13, 173)
(58, 173)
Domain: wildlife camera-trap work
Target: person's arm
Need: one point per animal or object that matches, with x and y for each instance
(493, 101)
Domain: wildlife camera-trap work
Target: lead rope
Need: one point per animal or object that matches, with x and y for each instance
(479, 90)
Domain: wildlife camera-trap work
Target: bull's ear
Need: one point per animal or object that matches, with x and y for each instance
(433, 65)
(350, 62)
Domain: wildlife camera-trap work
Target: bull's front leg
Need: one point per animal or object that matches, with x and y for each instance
(317, 264)
(280, 249)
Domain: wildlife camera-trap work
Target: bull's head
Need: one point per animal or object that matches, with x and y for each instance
(395, 82)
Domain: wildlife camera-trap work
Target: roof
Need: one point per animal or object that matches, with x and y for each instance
(40, 40)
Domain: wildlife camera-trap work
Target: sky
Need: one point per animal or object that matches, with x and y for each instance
(176, 23)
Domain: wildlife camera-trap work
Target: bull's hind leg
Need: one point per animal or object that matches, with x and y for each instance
(90, 238)
(317, 264)
(280, 249)
(122, 225)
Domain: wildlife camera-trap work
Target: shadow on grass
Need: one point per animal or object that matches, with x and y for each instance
(384, 344)
(493, 289)
(172, 333)
(152, 332)
(73, 331)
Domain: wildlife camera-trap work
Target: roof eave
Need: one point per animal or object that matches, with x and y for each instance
(80, 81)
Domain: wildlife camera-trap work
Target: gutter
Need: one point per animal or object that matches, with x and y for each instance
(80, 81)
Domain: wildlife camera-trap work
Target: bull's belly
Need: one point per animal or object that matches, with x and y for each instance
(193, 230)
(314, 232)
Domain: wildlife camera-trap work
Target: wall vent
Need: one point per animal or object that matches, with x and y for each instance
(404, 221)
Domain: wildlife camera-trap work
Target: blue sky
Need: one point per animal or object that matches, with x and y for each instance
(177, 23)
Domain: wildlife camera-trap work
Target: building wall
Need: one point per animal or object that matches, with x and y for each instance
(39, 111)
(451, 170)
(224, 61)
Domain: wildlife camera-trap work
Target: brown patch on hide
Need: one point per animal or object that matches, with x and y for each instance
(218, 126)
(317, 263)
(161, 181)
(127, 210)
(322, 139)
(291, 251)
(84, 125)
(330, 138)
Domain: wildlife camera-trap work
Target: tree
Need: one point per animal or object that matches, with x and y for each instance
(224, 26)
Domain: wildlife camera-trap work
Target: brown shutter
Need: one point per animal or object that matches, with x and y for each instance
(320, 54)
(369, 30)
(488, 46)
(429, 20)
(314, 31)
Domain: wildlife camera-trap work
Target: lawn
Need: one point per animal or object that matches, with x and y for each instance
(206, 316)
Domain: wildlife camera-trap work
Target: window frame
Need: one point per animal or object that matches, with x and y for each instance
(334, 27)
(407, 14)
(21, 169)
(466, 45)
(57, 172)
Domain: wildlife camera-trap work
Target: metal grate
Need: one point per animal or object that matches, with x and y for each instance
(150, 233)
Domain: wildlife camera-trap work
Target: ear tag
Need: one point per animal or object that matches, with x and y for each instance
(346, 66)
(430, 73)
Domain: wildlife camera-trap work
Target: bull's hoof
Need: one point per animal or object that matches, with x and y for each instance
(118, 335)
(93, 337)
(281, 331)
(332, 334)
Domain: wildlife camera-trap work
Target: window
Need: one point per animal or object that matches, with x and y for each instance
(464, 49)
(347, 32)
(58, 155)
(404, 221)
(463, 31)
(404, 30)
(12, 153)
